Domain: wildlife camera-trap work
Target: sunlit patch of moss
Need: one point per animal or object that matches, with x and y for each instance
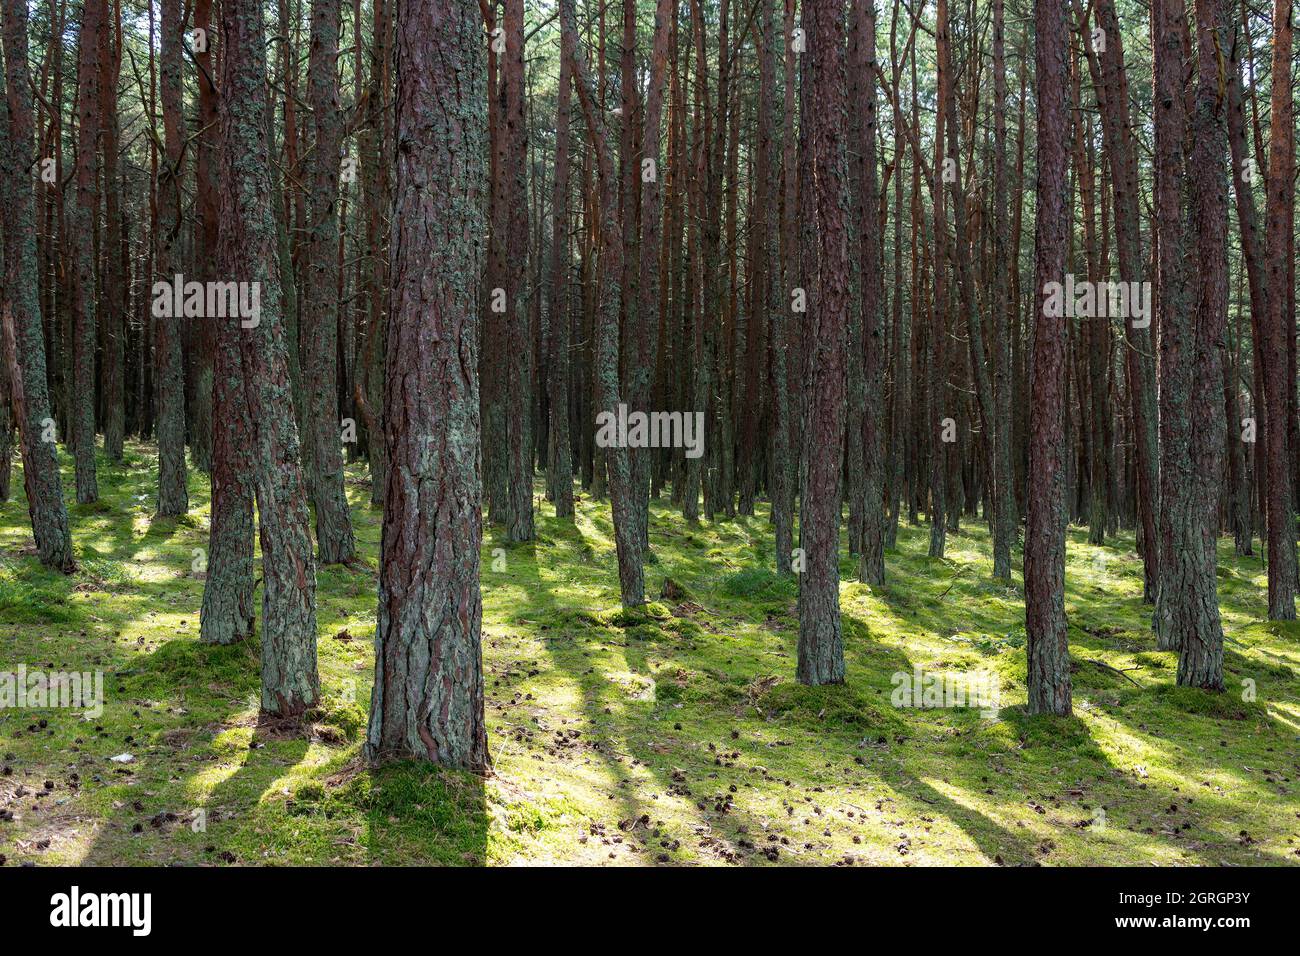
(599, 718)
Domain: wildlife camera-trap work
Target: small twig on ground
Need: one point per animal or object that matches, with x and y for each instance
(951, 583)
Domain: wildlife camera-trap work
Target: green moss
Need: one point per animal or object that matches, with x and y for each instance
(758, 583)
(836, 707)
(1202, 703)
(672, 732)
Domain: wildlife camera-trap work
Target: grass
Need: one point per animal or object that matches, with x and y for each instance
(675, 734)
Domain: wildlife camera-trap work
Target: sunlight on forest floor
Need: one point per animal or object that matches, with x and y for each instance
(677, 735)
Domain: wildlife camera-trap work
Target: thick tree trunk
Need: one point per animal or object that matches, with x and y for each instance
(248, 253)
(1177, 346)
(821, 650)
(320, 315)
(23, 327)
(427, 700)
(1197, 630)
(227, 613)
(1048, 676)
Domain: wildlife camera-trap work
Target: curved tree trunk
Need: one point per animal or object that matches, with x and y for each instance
(605, 360)
(227, 613)
(23, 327)
(248, 253)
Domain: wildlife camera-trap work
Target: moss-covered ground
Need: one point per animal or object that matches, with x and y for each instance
(673, 736)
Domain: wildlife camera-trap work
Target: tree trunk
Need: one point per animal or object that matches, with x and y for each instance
(560, 457)
(1277, 325)
(1197, 630)
(647, 314)
(85, 335)
(1173, 306)
(248, 253)
(518, 365)
(821, 651)
(113, 310)
(173, 495)
(427, 700)
(862, 52)
(1048, 675)
(605, 365)
(203, 337)
(23, 327)
(781, 311)
(1005, 519)
(320, 314)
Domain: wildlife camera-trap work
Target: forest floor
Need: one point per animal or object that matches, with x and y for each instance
(674, 736)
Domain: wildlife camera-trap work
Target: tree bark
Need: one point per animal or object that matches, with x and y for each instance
(1005, 520)
(781, 312)
(1278, 324)
(1197, 631)
(203, 338)
(821, 650)
(560, 452)
(248, 253)
(605, 363)
(114, 304)
(320, 315)
(173, 495)
(647, 315)
(427, 700)
(1048, 675)
(23, 325)
(862, 52)
(518, 365)
(85, 336)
